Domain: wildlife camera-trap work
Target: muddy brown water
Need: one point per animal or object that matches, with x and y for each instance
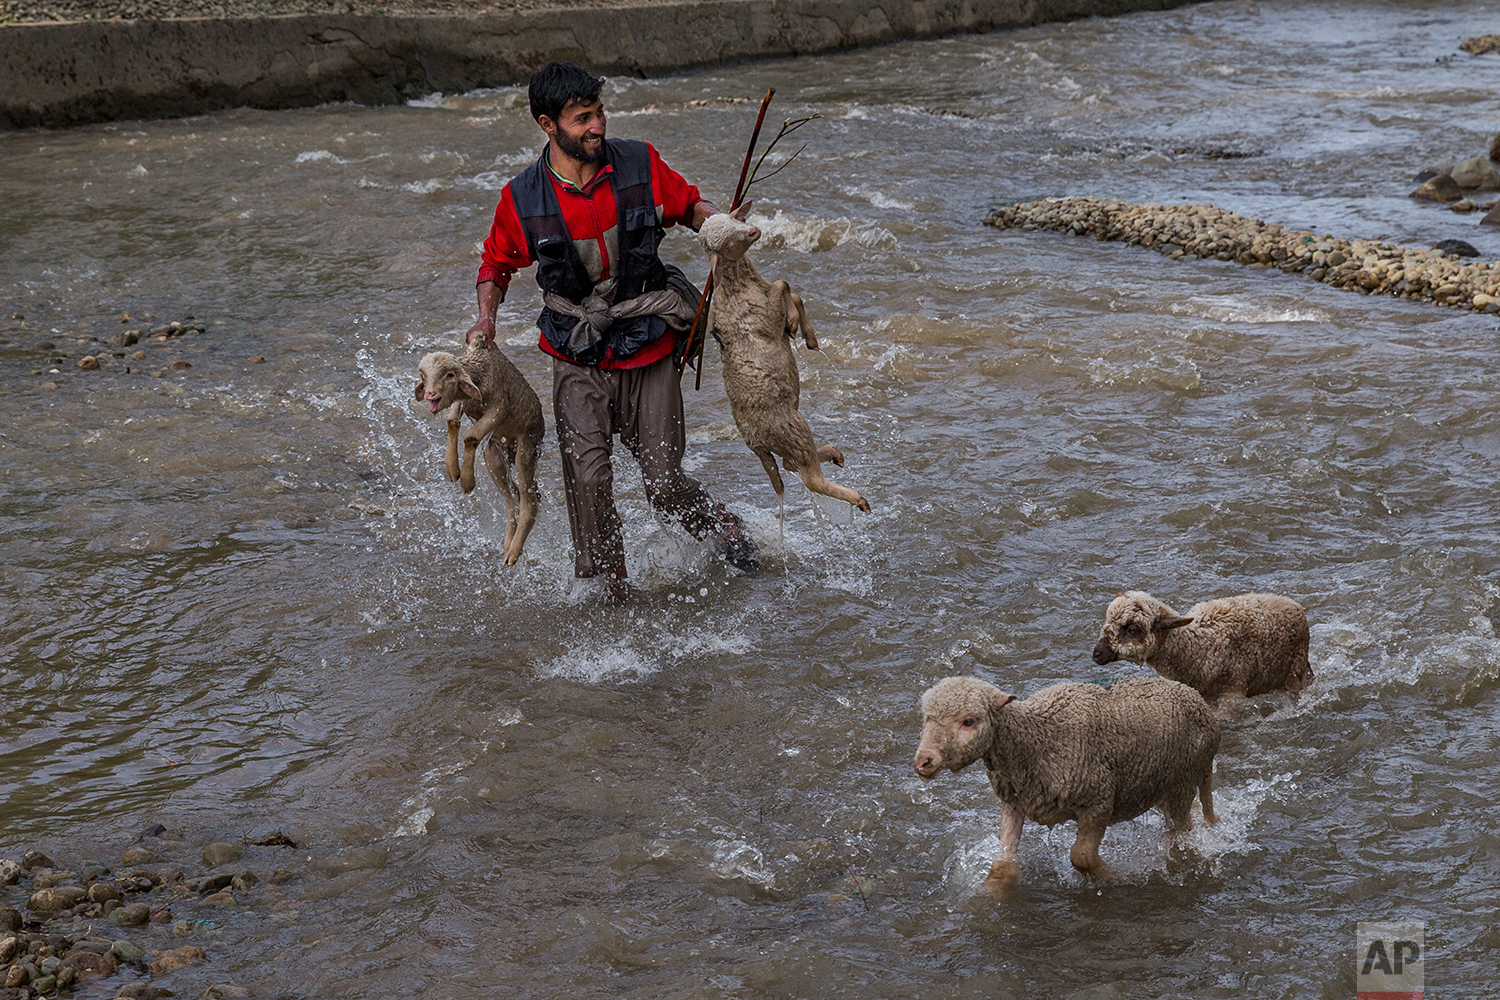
(241, 596)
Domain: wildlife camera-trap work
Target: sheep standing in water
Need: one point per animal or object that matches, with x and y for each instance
(1075, 751)
(1235, 646)
(754, 322)
(486, 386)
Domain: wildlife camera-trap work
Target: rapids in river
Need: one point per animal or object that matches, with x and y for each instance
(242, 596)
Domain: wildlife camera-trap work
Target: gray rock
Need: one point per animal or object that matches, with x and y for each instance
(213, 883)
(58, 898)
(1441, 188)
(132, 914)
(1432, 170)
(142, 991)
(128, 951)
(1495, 149)
(36, 859)
(65, 977)
(49, 964)
(1456, 248)
(1492, 217)
(224, 991)
(8, 948)
(222, 854)
(1476, 172)
(245, 880)
(136, 855)
(101, 893)
(10, 873)
(44, 984)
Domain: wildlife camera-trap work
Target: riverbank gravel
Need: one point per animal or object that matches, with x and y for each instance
(1193, 232)
(35, 11)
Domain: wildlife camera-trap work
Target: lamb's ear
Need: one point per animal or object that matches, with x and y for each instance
(467, 387)
(1119, 593)
(1000, 700)
(740, 214)
(421, 389)
(1169, 623)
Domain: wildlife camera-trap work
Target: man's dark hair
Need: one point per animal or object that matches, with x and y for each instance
(558, 84)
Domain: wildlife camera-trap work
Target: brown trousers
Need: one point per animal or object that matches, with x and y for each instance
(644, 407)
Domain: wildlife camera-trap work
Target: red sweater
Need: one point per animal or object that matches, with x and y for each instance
(593, 222)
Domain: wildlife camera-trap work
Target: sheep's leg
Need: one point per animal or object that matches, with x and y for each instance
(1007, 864)
(1206, 797)
(452, 455)
(814, 480)
(1085, 853)
(496, 457)
(795, 315)
(529, 495)
(769, 462)
(478, 431)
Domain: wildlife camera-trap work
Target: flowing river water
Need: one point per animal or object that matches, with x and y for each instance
(242, 596)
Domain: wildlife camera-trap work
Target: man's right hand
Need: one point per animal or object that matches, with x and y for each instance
(484, 328)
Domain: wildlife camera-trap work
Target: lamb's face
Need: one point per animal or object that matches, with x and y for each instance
(1133, 626)
(727, 237)
(956, 724)
(441, 381)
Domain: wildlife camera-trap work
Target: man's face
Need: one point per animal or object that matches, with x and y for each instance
(578, 131)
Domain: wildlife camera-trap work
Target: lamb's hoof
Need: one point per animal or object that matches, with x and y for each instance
(1210, 818)
(863, 505)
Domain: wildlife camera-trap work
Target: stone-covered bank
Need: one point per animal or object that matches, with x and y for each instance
(1190, 232)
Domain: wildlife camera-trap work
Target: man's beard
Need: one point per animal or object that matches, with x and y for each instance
(576, 149)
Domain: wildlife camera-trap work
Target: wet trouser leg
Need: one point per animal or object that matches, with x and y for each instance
(649, 417)
(582, 404)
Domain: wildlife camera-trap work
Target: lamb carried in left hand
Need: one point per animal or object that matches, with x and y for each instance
(754, 322)
(486, 386)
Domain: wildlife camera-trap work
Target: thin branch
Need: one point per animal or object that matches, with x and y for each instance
(788, 126)
(779, 169)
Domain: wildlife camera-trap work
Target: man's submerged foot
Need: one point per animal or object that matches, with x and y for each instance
(735, 547)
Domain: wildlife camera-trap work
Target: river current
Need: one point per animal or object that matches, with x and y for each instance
(242, 596)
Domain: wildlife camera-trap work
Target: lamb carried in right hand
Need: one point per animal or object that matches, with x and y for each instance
(754, 322)
(1245, 645)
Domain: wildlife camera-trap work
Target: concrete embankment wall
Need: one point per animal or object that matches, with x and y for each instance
(88, 71)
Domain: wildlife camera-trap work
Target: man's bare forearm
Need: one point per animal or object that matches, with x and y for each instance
(490, 297)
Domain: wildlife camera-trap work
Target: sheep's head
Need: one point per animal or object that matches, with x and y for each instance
(728, 236)
(442, 381)
(1133, 628)
(958, 715)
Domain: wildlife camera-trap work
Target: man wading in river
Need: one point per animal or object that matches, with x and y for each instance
(592, 211)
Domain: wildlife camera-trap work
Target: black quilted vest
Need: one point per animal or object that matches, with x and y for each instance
(561, 271)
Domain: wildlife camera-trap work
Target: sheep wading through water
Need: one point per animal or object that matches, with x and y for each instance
(754, 322)
(484, 385)
(1245, 645)
(1075, 751)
